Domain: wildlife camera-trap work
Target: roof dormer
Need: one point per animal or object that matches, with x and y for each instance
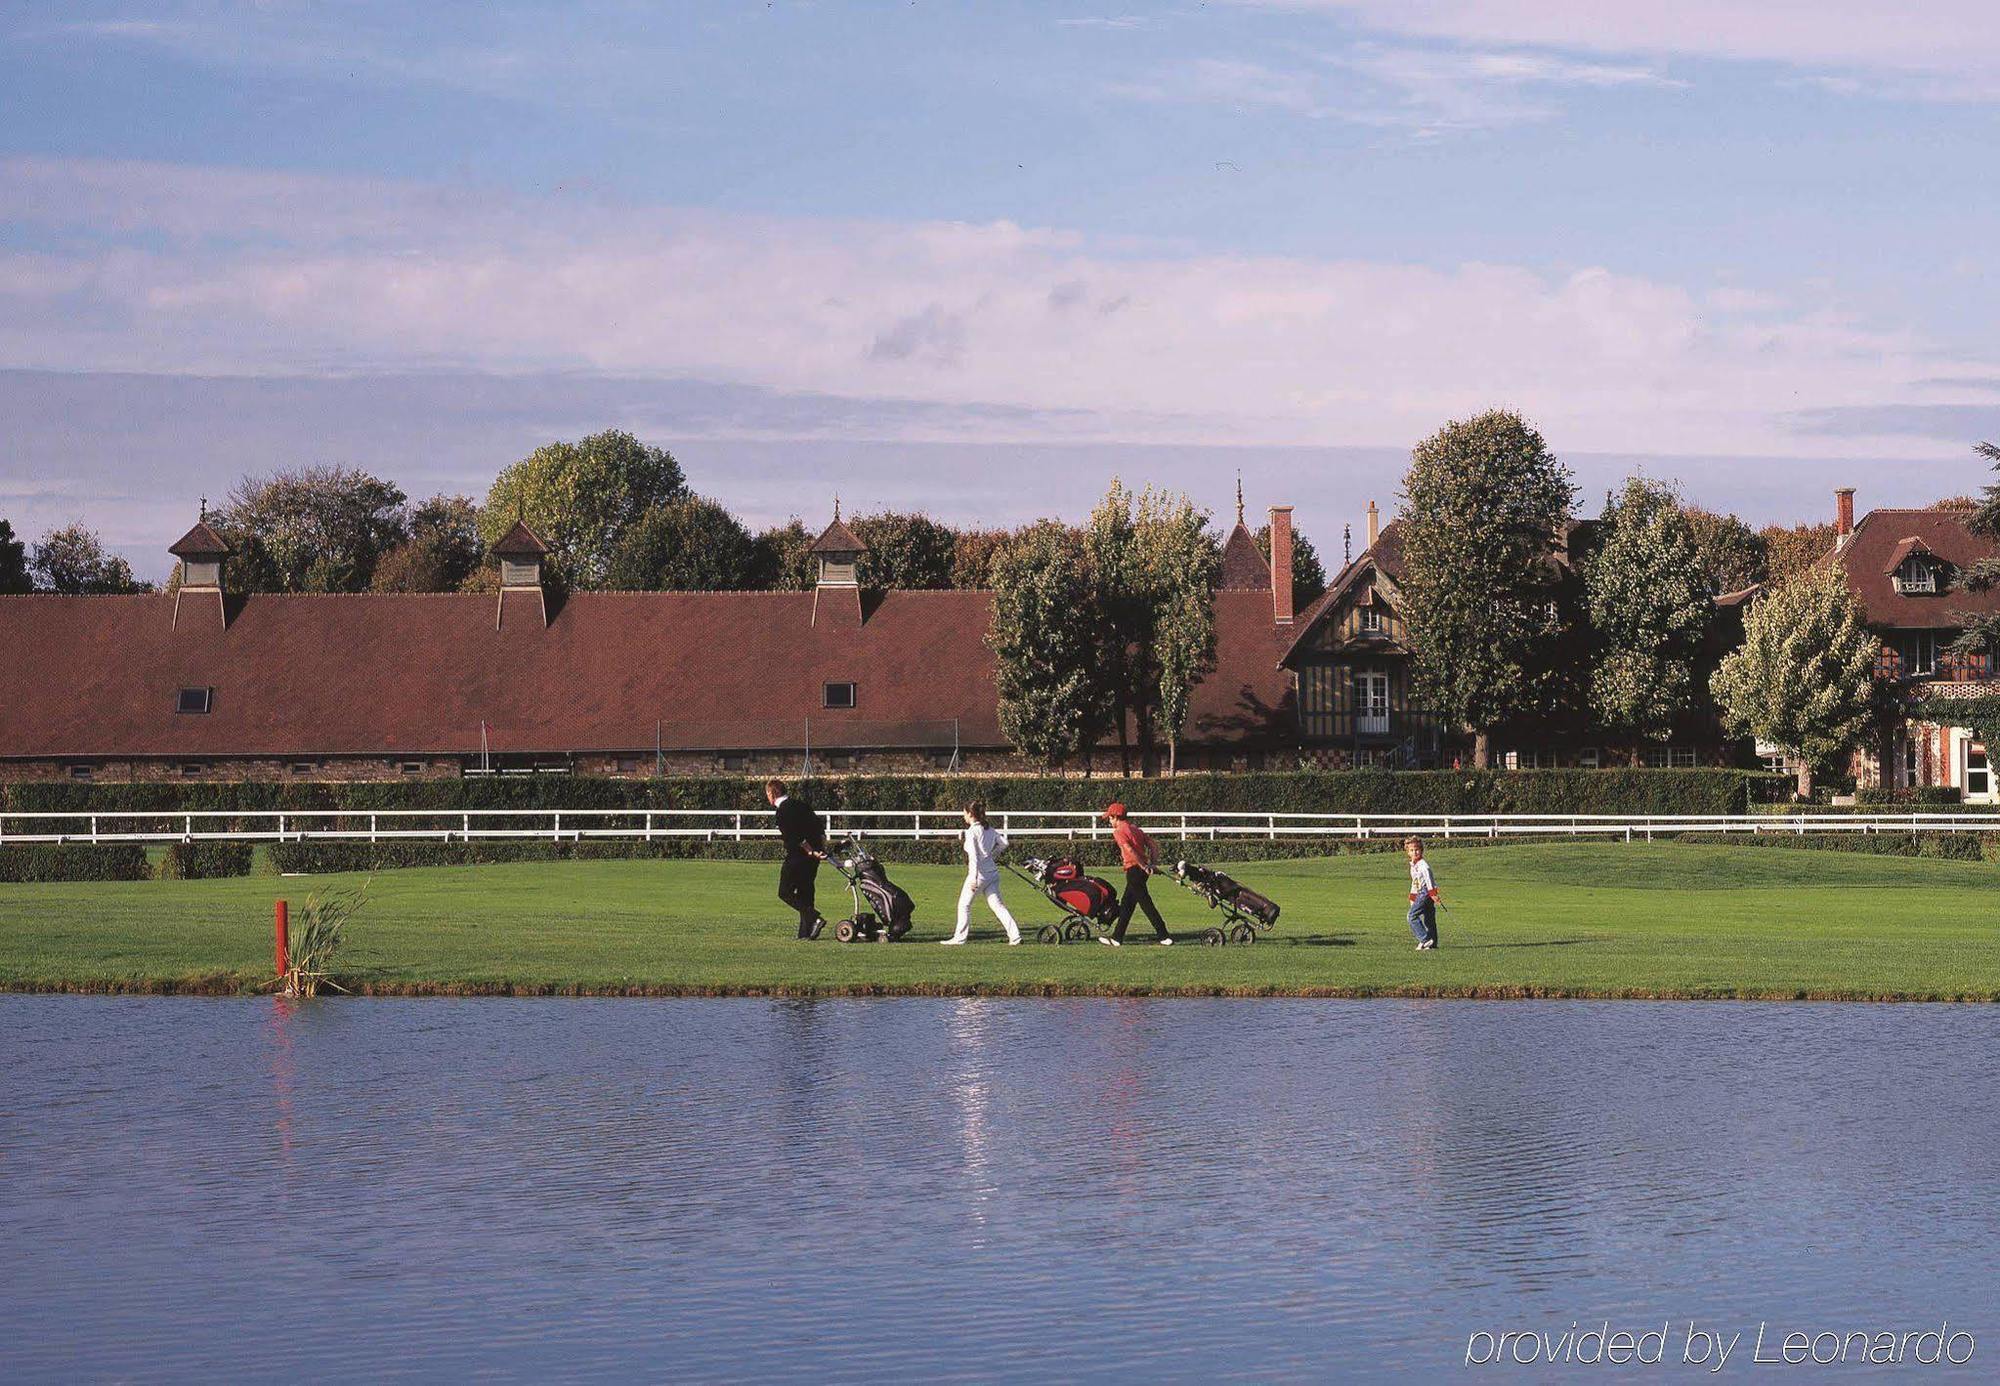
(839, 552)
(1914, 570)
(522, 556)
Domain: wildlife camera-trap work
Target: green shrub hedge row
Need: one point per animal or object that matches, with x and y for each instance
(1621, 790)
(202, 861)
(82, 862)
(1942, 846)
(1916, 796)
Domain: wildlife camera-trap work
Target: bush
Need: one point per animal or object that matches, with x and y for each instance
(1941, 846)
(1917, 796)
(1622, 790)
(121, 861)
(202, 861)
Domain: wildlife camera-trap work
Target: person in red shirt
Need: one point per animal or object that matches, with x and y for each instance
(1137, 853)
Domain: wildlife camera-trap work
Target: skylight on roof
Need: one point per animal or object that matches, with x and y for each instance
(195, 700)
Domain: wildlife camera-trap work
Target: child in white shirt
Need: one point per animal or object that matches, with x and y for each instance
(983, 845)
(1423, 895)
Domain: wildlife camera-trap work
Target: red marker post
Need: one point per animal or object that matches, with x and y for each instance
(284, 938)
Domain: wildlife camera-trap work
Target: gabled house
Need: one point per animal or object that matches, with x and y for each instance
(1904, 568)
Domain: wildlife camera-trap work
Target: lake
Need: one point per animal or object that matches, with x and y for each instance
(847, 1190)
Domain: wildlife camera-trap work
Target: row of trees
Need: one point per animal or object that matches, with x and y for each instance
(71, 560)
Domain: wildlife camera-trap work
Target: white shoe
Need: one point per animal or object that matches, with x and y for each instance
(1166, 943)
(1107, 940)
(1014, 942)
(950, 942)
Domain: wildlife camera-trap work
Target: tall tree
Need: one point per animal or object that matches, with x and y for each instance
(1482, 504)
(73, 561)
(1732, 554)
(1804, 677)
(1054, 705)
(783, 559)
(443, 553)
(1308, 572)
(315, 529)
(973, 552)
(1180, 562)
(909, 551)
(688, 545)
(581, 497)
(1792, 549)
(1651, 602)
(1982, 629)
(13, 563)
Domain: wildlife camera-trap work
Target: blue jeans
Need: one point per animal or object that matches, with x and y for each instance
(1424, 919)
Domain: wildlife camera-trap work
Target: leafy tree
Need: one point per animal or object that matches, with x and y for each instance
(688, 545)
(1982, 629)
(1651, 602)
(13, 563)
(1308, 573)
(782, 558)
(1792, 549)
(1805, 675)
(316, 529)
(581, 498)
(1733, 555)
(973, 552)
(73, 561)
(1955, 503)
(1054, 705)
(443, 553)
(905, 550)
(1482, 504)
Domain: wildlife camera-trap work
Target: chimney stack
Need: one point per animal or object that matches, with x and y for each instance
(1374, 524)
(1281, 564)
(1843, 513)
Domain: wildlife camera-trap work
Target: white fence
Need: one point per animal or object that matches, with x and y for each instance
(729, 825)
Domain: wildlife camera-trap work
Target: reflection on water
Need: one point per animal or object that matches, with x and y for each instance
(969, 1188)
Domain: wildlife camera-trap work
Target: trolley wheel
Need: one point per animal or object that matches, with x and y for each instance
(1243, 933)
(1050, 933)
(845, 931)
(1212, 938)
(1076, 931)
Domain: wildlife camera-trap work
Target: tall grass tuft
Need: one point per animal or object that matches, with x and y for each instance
(322, 930)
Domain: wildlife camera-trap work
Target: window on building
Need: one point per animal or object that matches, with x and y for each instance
(1916, 575)
(1680, 757)
(840, 695)
(944, 760)
(303, 767)
(1777, 764)
(1510, 760)
(79, 772)
(840, 760)
(411, 767)
(1912, 764)
(1654, 758)
(628, 765)
(1371, 620)
(194, 700)
(190, 768)
(736, 762)
(1919, 654)
(1588, 758)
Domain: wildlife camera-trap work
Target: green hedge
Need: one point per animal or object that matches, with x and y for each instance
(1941, 846)
(1621, 790)
(79, 862)
(202, 861)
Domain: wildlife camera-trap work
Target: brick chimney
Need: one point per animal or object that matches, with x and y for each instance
(1374, 524)
(1843, 514)
(1281, 564)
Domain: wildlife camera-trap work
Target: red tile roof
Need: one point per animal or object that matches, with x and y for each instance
(398, 674)
(1243, 565)
(1885, 537)
(520, 542)
(199, 543)
(838, 538)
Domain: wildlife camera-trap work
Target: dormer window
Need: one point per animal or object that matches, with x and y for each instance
(1917, 575)
(1371, 620)
(840, 695)
(194, 700)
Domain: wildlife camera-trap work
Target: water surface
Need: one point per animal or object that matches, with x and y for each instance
(1096, 1188)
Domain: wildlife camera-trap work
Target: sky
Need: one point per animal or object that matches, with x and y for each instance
(977, 258)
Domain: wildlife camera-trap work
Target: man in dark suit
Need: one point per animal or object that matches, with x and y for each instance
(804, 835)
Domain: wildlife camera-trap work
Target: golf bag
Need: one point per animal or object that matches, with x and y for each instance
(1235, 899)
(889, 907)
(1064, 882)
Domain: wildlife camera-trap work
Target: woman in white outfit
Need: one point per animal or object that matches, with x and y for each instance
(983, 846)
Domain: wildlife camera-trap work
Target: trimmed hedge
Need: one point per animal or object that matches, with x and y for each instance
(202, 861)
(1940, 846)
(1621, 790)
(1916, 796)
(42, 861)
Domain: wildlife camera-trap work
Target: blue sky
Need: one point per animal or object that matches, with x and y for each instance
(977, 257)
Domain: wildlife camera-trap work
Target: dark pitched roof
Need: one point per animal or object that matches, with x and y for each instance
(1884, 538)
(838, 539)
(1385, 556)
(201, 542)
(392, 674)
(520, 542)
(1243, 565)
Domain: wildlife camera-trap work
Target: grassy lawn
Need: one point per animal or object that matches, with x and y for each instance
(1589, 919)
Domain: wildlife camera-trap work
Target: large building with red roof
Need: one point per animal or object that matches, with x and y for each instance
(203, 683)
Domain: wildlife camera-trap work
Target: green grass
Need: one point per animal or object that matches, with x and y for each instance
(1580, 919)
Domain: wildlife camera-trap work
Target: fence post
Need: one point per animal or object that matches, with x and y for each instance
(371, 829)
(917, 826)
(649, 827)
(93, 829)
(739, 827)
(187, 829)
(558, 836)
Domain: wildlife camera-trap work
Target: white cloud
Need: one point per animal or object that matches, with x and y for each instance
(1011, 332)
(1949, 42)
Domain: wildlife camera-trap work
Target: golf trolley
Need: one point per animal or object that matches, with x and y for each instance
(1090, 904)
(1244, 912)
(882, 909)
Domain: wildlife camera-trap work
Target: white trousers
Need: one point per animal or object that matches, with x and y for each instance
(990, 888)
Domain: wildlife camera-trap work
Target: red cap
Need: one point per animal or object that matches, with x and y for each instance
(1114, 810)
